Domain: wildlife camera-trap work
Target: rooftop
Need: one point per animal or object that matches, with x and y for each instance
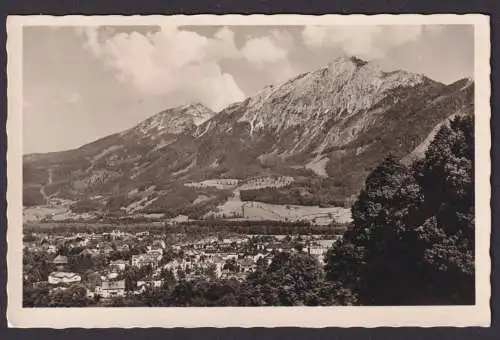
(113, 284)
(60, 260)
(246, 262)
(63, 275)
(119, 262)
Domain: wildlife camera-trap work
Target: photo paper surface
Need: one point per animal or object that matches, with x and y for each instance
(222, 171)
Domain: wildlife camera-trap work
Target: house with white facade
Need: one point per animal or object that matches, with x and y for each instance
(124, 247)
(63, 277)
(158, 252)
(246, 265)
(109, 289)
(119, 265)
(60, 262)
(152, 283)
(146, 259)
(230, 256)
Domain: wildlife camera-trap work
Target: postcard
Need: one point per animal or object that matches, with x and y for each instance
(262, 170)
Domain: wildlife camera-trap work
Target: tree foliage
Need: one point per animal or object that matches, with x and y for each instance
(413, 236)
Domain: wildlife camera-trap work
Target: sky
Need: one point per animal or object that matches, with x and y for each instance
(84, 83)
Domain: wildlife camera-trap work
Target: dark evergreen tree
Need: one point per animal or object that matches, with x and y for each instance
(413, 235)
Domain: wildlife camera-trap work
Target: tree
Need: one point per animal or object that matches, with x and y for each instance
(211, 272)
(74, 296)
(288, 281)
(446, 176)
(231, 265)
(36, 295)
(29, 237)
(117, 301)
(37, 266)
(133, 274)
(182, 294)
(181, 274)
(84, 261)
(414, 228)
(299, 246)
(168, 277)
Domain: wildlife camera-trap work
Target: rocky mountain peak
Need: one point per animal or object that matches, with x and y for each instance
(343, 87)
(349, 62)
(199, 112)
(335, 123)
(175, 120)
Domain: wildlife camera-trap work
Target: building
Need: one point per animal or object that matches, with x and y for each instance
(89, 252)
(119, 265)
(230, 256)
(246, 265)
(180, 219)
(146, 259)
(109, 289)
(157, 253)
(138, 261)
(95, 236)
(259, 256)
(56, 290)
(61, 262)
(317, 250)
(63, 277)
(219, 263)
(112, 275)
(108, 250)
(90, 294)
(152, 283)
(174, 264)
(322, 220)
(157, 244)
(124, 247)
(116, 234)
(83, 243)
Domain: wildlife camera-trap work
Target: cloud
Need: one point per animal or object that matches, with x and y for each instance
(187, 65)
(263, 50)
(170, 61)
(267, 49)
(370, 42)
(91, 35)
(271, 54)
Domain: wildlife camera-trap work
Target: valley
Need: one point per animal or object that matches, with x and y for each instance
(295, 151)
(234, 209)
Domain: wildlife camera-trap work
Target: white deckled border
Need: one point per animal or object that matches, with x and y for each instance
(459, 316)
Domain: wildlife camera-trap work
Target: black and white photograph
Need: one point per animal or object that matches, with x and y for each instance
(254, 165)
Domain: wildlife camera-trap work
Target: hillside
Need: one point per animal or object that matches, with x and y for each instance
(319, 135)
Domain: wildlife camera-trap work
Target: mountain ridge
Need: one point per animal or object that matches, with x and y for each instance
(325, 129)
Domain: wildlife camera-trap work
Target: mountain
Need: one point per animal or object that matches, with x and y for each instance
(173, 121)
(100, 166)
(310, 140)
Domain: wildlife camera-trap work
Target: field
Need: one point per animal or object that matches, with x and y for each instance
(247, 184)
(55, 213)
(235, 208)
(315, 214)
(318, 166)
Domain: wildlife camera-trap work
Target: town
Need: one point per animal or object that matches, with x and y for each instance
(122, 263)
